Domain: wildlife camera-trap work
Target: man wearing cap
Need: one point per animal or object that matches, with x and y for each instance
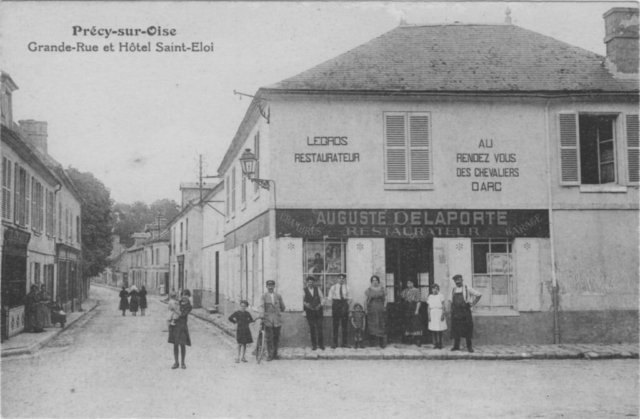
(313, 310)
(271, 305)
(462, 299)
(340, 298)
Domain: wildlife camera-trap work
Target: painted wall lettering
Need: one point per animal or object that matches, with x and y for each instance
(482, 172)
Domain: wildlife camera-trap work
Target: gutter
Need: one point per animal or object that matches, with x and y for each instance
(554, 276)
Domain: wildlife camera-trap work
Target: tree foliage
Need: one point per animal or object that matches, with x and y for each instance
(132, 218)
(97, 222)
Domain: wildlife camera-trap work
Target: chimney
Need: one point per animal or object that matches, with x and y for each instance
(36, 133)
(7, 86)
(621, 37)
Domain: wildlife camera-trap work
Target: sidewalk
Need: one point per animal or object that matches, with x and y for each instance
(399, 351)
(29, 343)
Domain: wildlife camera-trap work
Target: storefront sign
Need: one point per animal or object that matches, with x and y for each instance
(16, 242)
(411, 223)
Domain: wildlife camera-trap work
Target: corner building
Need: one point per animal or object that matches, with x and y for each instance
(489, 151)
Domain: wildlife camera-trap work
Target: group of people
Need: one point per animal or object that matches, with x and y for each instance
(41, 311)
(133, 300)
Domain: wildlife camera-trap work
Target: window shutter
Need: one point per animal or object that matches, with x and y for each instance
(18, 210)
(395, 148)
(569, 154)
(6, 188)
(419, 145)
(256, 147)
(633, 149)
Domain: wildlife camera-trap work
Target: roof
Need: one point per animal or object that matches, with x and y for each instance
(164, 237)
(461, 58)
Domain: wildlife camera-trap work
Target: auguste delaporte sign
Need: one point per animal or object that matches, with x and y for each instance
(411, 223)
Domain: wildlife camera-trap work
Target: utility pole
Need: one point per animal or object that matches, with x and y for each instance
(200, 183)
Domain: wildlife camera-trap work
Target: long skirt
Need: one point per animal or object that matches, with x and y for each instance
(32, 322)
(124, 304)
(412, 322)
(133, 304)
(179, 334)
(376, 319)
(45, 314)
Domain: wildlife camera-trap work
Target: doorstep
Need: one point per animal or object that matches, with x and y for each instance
(29, 343)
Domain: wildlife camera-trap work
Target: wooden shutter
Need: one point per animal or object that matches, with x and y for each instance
(256, 148)
(395, 148)
(419, 148)
(18, 211)
(569, 151)
(633, 149)
(7, 169)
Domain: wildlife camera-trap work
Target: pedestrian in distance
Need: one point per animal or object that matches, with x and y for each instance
(376, 306)
(461, 318)
(179, 333)
(33, 322)
(340, 299)
(359, 322)
(124, 300)
(142, 296)
(45, 302)
(436, 315)
(313, 310)
(271, 307)
(134, 301)
(412, 324)
(242, 318)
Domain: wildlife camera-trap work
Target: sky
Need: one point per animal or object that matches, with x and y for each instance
(140, 120)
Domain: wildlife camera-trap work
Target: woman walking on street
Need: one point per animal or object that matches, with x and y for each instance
(143, 299)
(45, 301)
(179, 333)
(135, 301)
(124, 300)
(376, 306)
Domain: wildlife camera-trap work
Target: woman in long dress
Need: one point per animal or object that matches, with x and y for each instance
(124, 300)
(437, 310)
(45, 302)
(179, 333)
(134, 302)
(412, 325)
(32, 321)
(376, 305)
(143, 299)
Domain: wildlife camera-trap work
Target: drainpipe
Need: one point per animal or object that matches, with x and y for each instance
(554, 277)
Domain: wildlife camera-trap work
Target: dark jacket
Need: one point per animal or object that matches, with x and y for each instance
(311, 302)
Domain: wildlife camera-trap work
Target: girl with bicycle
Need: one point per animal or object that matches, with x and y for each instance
(242, 318)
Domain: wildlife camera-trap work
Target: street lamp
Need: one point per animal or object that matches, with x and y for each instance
(248, 163)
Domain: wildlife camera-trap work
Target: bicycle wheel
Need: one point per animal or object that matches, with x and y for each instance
(260, 346)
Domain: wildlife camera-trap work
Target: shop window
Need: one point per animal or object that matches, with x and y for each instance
(7, 171)
(493, 273)
(589, 149)
(407, 143)
(324, 260)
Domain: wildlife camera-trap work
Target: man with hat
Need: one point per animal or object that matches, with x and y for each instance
(340, 298)
(313, 310)
(271, 305)
(461, 320)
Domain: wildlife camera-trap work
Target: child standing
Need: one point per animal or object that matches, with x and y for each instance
(243, 335)
(358, 320)
(174, 309)
(437, 321)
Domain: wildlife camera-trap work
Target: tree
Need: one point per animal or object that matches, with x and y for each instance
(132, 218)
(97, 222)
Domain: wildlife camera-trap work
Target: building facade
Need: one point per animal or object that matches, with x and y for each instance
(488, 151)
(41, 213)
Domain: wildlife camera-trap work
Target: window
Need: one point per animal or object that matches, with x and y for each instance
(244, 189)
(228, 193)
(157, 256)
(589, 149)
(60, 220)
(493, 273)
(78, 235)
(233, 190)
(324, 260)
(21, 210)
(7, 171)
(186, 236)
(37, 213)
(50, 208)
(407, 145)
(256, 148)
(181, 236)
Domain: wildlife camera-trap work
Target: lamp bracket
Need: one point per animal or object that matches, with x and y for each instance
(263, 183)
(265, 114)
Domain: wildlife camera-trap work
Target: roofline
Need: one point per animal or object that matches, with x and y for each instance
(7, 79)
(26, 153)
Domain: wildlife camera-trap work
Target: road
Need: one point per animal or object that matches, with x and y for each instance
(107, 365)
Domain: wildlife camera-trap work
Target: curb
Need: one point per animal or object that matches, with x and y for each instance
(34, 347)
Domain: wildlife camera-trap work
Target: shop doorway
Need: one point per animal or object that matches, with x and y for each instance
(407, 260)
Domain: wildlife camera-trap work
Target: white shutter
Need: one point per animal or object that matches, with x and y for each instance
(419, 147)
(395, 148)
(633, 149)
(569, 150)
(290, 279)
(360, 266)
(527, 274)
(459, 263)
(18, 211)
(7, 169)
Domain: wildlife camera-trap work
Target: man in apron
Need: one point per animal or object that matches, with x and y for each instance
(461, 320)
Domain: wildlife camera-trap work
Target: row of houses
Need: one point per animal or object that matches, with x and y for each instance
(488, 151)
(41, 219)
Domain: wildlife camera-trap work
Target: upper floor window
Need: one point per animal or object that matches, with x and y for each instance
(407, 144)
(256, 148)
(7, 171)
(22, 196)
(590, 149)
(50, 205)
(37, 206)
(233, 190)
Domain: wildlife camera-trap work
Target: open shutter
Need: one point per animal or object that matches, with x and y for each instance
(18, 211)
(569, 153)
(395, 148)
(633, 149)
(7, 169)
(419, 147)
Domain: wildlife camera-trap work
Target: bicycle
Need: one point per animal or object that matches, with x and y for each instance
(261, 342)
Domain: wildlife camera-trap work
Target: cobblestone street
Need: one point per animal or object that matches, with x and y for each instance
(107, 365)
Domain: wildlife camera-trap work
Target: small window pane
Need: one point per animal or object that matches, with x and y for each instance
(334, 258)
(480, 258)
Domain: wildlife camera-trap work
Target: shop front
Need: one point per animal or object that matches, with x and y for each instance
(14, 280)
(69, 286)
(498, 252)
